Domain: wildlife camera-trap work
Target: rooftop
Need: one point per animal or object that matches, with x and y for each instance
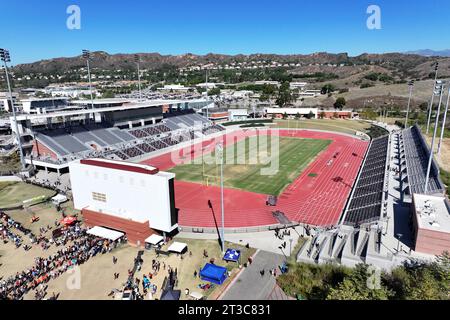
(433, 212)
(131, 104)
(125, 166)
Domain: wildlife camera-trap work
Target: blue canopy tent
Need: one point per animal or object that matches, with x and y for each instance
(213, 273)
(232, 255)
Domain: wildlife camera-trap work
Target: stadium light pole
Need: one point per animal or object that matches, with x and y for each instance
(430, 107)
(443, 122)
(137, 60)
(219, 156)
(5, 57)
(206, 86)
(411, 86)
(439, 89)
(87, 56)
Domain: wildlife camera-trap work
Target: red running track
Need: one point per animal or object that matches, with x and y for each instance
(317, 200)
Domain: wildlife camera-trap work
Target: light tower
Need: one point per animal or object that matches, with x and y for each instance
(137, 60)
(443, 123)
(5, 57)
(219, 157)
(430, 107)
(438, 90)
(411, 86)
(87, 56)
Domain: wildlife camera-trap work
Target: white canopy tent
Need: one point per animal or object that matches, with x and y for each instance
(59, 198)
(177, 247)
(105, 233)
(154, 239)
(196, 295)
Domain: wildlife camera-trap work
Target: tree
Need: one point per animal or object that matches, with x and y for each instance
(269, 89)
(354, 287)
(340, 103)
(322, 115)
(369, 114)
(285, 116)
(310, 115)
(284, 95)
(214, 92)
(297, 115)
(328, 88)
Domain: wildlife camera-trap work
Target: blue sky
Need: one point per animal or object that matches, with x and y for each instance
(36, 29)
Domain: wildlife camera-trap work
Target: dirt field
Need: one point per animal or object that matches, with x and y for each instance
(96, 278)
(13, 193)
(444, 158)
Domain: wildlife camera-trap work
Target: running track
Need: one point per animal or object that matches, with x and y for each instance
(317, 200)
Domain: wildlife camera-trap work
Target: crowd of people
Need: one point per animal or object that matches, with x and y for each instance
(8, 228)
(82, 248)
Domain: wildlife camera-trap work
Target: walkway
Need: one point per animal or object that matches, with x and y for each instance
(250, 284)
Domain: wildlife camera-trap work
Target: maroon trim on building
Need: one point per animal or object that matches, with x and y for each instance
(136, 232)
(118, 166)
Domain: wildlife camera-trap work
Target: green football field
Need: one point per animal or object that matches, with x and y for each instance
(243, 173)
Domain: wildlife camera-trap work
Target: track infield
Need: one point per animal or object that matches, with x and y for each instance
(244, 161)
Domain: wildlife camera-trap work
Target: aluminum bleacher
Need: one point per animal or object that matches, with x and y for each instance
(81, 141)
(366, 201)
(417, 155)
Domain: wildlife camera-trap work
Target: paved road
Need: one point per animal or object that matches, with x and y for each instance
(251, 285)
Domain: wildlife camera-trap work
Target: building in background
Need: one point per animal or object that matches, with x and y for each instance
(44, 105)
(279, 113)
(237, 114)
(5, 103)
(217, 115)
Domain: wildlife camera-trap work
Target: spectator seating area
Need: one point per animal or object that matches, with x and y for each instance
(181, 122)
(80, 139)
(366, 201)
(417, 154)
(97, 141)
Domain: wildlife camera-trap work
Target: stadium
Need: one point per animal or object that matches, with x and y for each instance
(335, 182)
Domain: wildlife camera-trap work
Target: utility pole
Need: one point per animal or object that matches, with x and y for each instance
(206, 86)
(411, 86)
(430, 107)
(136, 59)
(439, 90)
(87, 56)
(219, 156)
(443, 123)
(5, 57)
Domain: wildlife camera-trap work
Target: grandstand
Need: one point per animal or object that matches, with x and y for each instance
(365, 204)
(416, 153)
(119, 132)
(65, 144)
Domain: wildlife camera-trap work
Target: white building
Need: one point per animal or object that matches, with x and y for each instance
(174, 88)
(42, 105)
(71, 91)
(237, 114)
(209, 85)
(291, 112)
(298, 85)
(5, 103)
(267, 82)
(133, 198)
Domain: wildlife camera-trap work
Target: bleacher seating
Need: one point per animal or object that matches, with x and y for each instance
(145, 147)
(139, 133)
(132, 152)
(366, 202)
(81, 141)
(417, 156)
